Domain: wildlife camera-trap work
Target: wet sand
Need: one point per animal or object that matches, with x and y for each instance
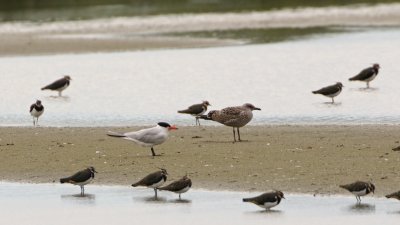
(300, 159)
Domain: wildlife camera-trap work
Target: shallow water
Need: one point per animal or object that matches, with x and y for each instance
(59, 204)
(141, 88)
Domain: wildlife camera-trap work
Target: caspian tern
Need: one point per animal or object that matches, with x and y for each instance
(147, 137)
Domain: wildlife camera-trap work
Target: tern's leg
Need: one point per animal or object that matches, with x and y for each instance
(152, 152)
(238, 134)
(234, 135)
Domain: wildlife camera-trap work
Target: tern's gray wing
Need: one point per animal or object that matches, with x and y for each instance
(154, 135)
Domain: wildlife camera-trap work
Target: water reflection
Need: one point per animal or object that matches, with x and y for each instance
(362, 208)
(45, 203)
(80, 199)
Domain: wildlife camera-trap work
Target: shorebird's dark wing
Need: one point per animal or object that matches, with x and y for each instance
(261, 199)
(150, 179)
(356, 186)
(78, 177)
(194, 109)
(56, 84)
(32, 106)
(364, 74)
(328, 90)
(177, 185)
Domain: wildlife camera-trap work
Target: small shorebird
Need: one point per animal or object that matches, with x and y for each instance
(58, 85)
(80, 178)
(266, 200)
(359, 188)
(367, 74)
(179, 186)
(330, 91)
(236, 117)
(147, 137)
(153, 180)
(36, 110)
(395, 195)
(196, 110)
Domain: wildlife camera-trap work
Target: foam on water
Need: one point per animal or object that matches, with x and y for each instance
(354, 15)
(141, 88)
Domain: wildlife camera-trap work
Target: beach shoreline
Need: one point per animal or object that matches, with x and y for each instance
(296, 159)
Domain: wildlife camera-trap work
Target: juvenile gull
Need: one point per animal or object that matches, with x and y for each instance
(367, 74)
(58, 85)
(395, 195)
(180, 186)
(147, 137)
(80, 178)
(266, 200)
(36, 110)
(359, 188)
(153, 180)
(196, 110)
(236, 117)
(330, 91)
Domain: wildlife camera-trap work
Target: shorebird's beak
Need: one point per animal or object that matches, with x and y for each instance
(173, 127)
(257, 109)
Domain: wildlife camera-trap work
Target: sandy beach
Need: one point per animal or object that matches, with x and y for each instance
(301, 159)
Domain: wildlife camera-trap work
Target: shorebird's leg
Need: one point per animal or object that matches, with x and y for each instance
(33, 121)
(82, 190)
(238, 133)
(155, 192)
(180, 197)
(368, 84)
(333, 101)
(152, 152)
(37, 121)
(59, 94)
(234, 135)
(198, 121)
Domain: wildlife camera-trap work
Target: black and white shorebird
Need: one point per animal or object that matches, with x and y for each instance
(367, 74)
(81, 178)
(180, 186)
(153, 180)
(266, 200)
(196, 110)
(359, 188)
(395, 195)
(235, 117)
(148, 137)
(36, 111)
(59, 85)
(330, 91)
